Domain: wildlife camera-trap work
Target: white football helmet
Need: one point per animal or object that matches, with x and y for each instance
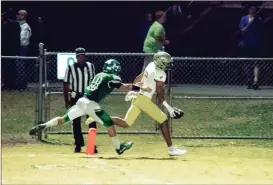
(163, 60)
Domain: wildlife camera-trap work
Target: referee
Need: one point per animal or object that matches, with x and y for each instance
(77, 78)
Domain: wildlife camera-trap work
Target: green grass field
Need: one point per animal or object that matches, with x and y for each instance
(207, 161)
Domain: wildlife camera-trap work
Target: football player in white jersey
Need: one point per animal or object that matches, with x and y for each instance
(153, 78)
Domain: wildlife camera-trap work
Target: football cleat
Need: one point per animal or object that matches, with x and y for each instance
(37, 129)
(176, 152)
(124, 146)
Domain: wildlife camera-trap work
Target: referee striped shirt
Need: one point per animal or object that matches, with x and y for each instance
(79, 76)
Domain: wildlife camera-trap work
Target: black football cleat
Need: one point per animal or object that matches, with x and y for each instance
(36, 129)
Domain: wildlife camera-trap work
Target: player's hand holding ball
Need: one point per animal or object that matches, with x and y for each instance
(174, 112)
(178, 113)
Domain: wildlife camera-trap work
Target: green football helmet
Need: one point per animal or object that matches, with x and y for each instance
(111, 66)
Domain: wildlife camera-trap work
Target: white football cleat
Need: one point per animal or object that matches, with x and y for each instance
(176, 152)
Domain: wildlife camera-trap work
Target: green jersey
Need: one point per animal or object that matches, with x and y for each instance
(151, 45)
(102, 85)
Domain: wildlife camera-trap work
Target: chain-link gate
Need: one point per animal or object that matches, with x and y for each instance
(131, 64)
(217, 103)
(19, 96)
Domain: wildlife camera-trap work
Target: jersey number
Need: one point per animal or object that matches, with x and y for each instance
(95, 83)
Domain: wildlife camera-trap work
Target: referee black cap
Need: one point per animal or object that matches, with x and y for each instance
(80, 51)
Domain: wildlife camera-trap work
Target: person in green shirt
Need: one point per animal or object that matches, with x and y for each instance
(155, 39)
(101, 86)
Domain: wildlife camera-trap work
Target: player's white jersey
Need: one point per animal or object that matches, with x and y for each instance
(151, 75)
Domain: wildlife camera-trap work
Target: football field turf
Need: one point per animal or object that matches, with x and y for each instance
(206, 162)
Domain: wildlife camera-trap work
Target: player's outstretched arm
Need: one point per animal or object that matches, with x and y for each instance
(134, 87)
(126, 86)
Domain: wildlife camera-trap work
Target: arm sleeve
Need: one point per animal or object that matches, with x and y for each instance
(116, 82)
(160, 76)
(25, 35)
(67, 76)
(93, 70)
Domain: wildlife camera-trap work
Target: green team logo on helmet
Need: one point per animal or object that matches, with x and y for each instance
(112, 66)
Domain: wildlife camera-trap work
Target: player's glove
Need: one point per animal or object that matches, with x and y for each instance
(135, 89)
(130, 95)
(174, 112)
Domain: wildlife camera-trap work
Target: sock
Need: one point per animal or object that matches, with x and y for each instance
(116, 142)
(93, 124)
(171, 148)
(51, 123)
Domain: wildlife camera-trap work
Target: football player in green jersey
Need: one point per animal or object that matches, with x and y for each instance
(102, 85)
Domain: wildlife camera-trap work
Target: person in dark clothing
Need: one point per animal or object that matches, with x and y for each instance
(174, 26)
(10, 35)
(77, 77)
(38, 36)
(41, 30)
(145, 26)
(10, 46)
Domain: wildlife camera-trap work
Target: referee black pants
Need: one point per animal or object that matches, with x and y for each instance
(77, 129)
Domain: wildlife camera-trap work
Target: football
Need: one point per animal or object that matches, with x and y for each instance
(178, 113)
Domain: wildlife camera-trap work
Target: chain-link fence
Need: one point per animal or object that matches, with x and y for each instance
(219, 99)
(230, 72)
(19, 96)
(212, 91)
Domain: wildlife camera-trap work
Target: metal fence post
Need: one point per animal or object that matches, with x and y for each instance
(169, 95)
(45, 92)
(37, 92)
(40, 110)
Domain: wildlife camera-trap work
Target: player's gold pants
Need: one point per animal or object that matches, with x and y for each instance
(145, 104)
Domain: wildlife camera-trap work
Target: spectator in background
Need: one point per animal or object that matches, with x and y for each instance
(40, 30)
(155, 39)
(21, 64)
(10, 46)
(174, 27)
(38, 36)
(10, 35)
(145, 26)
(25, 31)
(249, 46)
